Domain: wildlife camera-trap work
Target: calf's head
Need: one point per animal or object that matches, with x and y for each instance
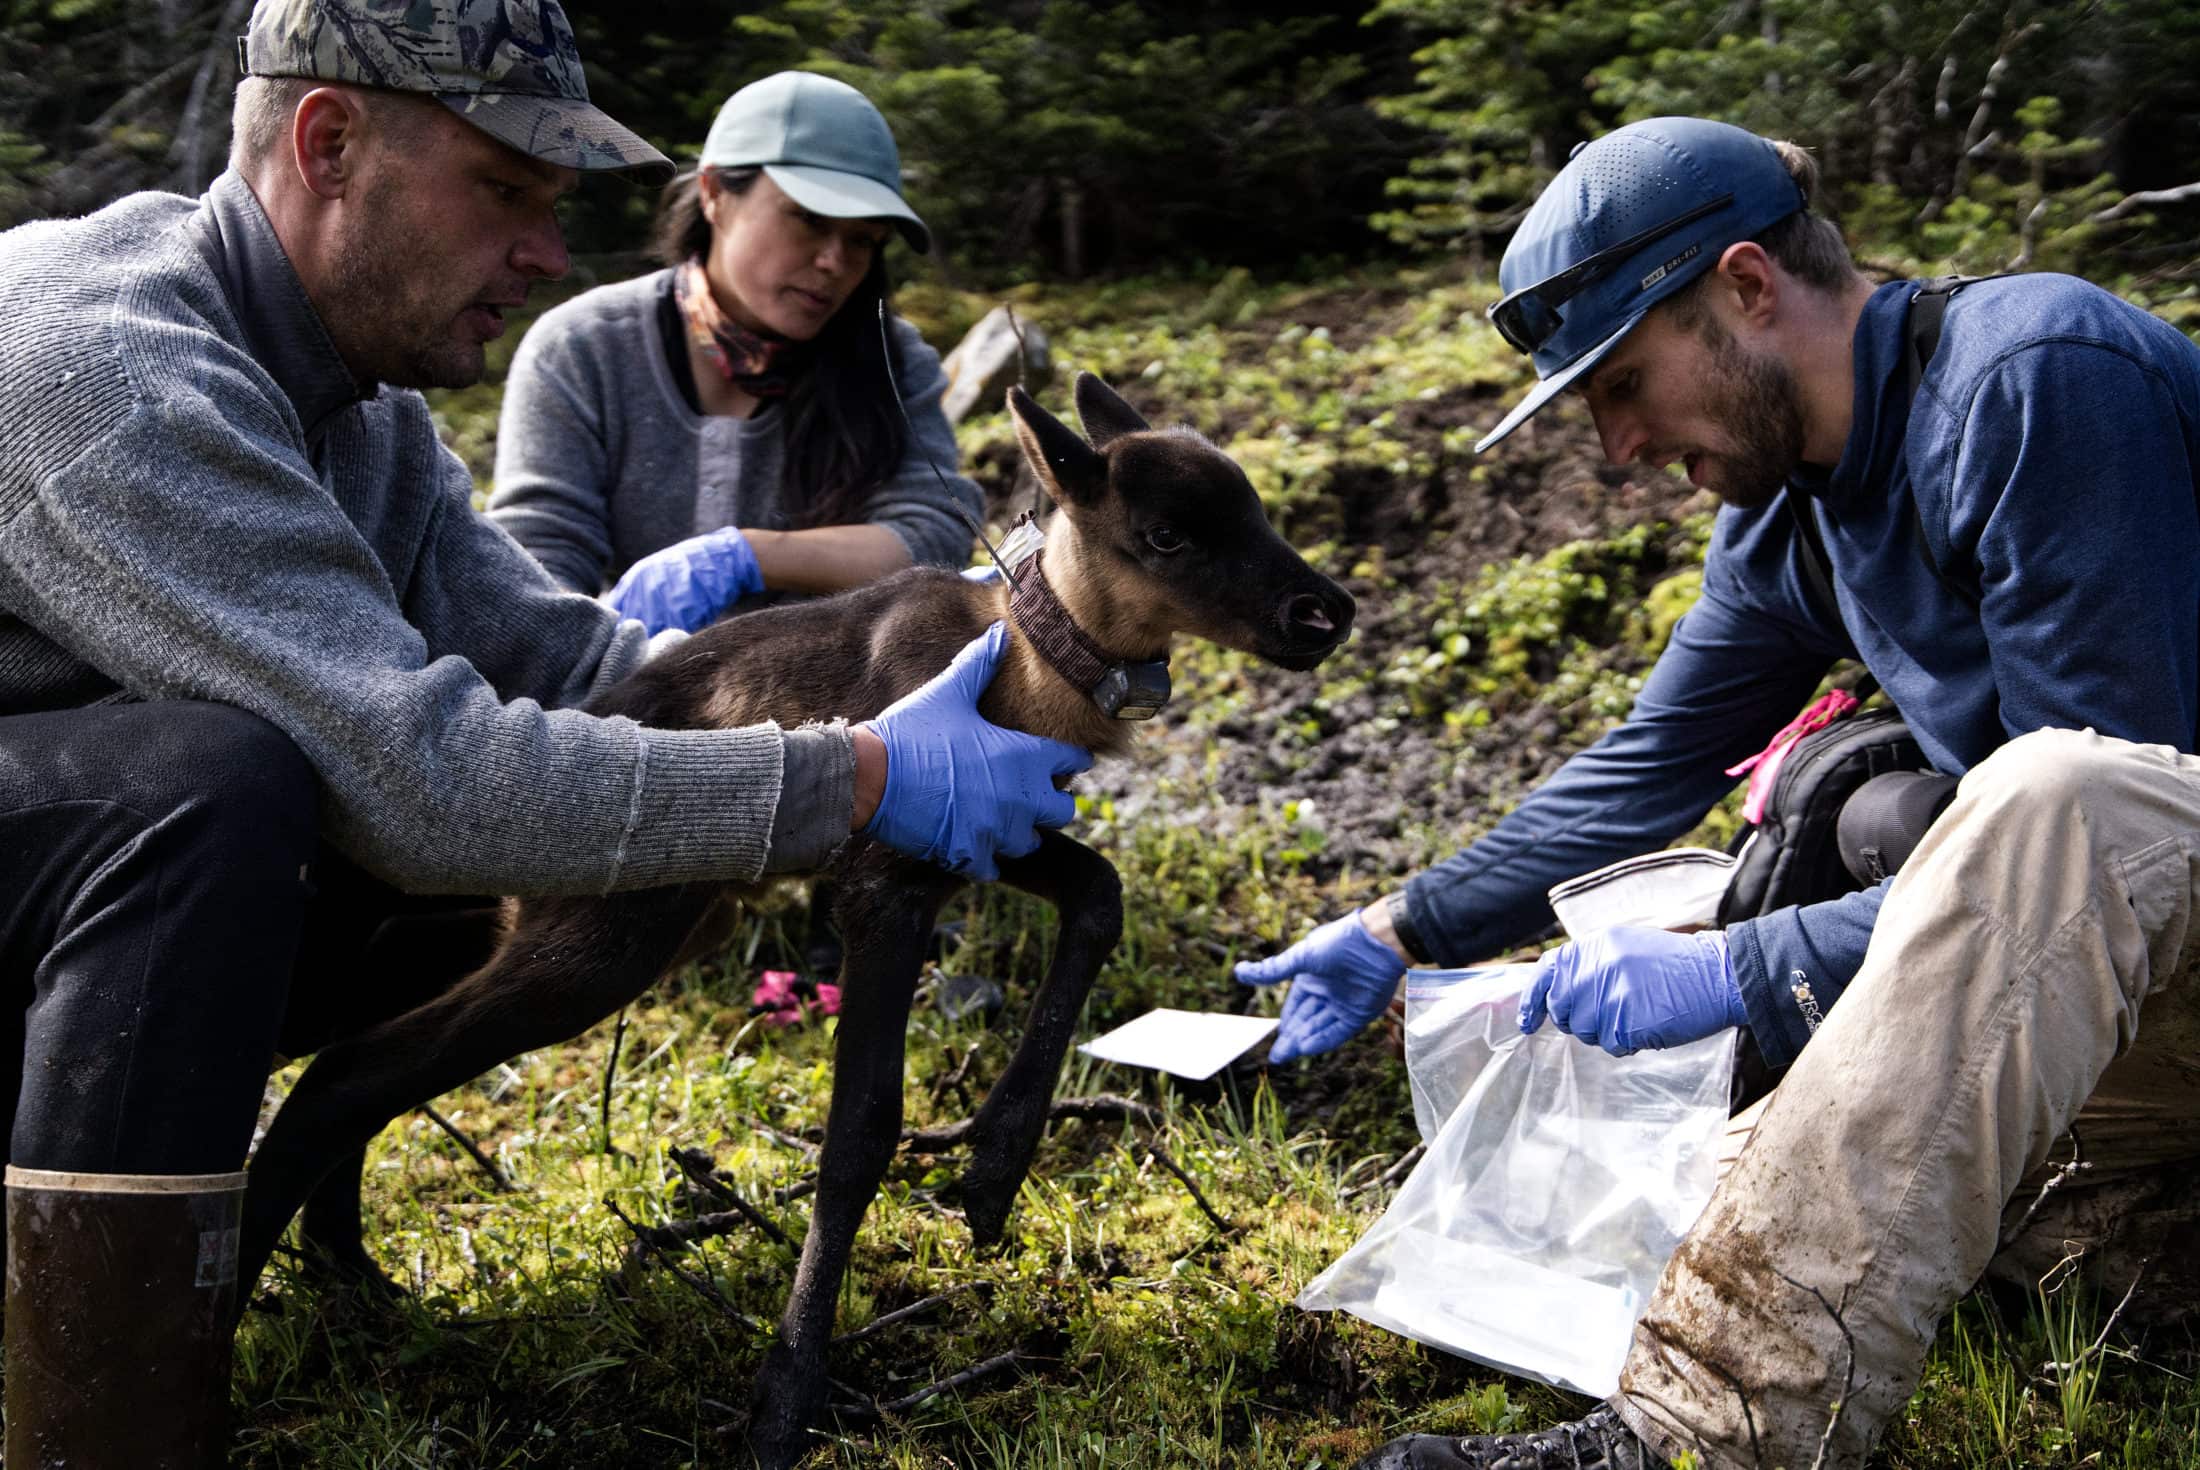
(1166, 535)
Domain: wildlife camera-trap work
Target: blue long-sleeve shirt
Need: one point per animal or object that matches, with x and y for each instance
(2050, 458)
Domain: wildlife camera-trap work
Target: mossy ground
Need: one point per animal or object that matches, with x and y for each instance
(1509, 606)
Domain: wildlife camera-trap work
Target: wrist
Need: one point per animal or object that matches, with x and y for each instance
(1377, 919)
(870, 775)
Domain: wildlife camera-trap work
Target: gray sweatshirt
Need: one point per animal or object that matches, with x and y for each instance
(601, 461)
(197, 502)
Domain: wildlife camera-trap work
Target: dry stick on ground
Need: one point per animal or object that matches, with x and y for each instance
(955, 1078)
(2054, 1182)
(1154, 1152)
(2101, 1342)
(866, 1413)
(879, 1324)
(1848, 1373)
(703, 1175)
(702, 1286)
(488, 1165)
(1399, 1168)
(763, 1129)
(1103, 1105)
(610, 1071)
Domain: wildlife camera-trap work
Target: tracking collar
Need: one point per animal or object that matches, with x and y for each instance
(1124, 689)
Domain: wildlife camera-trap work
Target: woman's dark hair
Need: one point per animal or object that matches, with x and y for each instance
(845, 433)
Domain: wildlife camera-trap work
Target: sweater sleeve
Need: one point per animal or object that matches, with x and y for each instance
(926, 501)
(553, 465)
(230, 574)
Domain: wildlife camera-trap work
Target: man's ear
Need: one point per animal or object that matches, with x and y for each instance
(327, 133)
(1748, 275)
(1070, 469)
(1105, 416)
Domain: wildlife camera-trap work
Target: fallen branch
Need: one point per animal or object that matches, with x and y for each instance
(1401, 1167)
(2100, 1343)
(1848, 1373)
(877, 1325)
(1101, 1106)
(701, 1173)
(702, 1286)
(497, 1181)
(2054, 1182)
(865, 1413)
(1154, 1152)
(611, 1071)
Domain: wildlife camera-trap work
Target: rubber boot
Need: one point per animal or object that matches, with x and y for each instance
(121, 1294)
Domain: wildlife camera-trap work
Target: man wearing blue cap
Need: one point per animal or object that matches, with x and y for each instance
(267, 684)
(2011, 546)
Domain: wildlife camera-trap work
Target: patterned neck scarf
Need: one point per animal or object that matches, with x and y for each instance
(758, 363)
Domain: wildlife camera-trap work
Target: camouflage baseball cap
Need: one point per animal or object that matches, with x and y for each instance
(509, 67)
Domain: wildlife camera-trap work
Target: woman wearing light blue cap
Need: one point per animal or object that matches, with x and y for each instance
(728, 427)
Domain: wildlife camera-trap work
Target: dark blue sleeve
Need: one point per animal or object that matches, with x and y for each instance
(2073, 480)
(1733, 674)
(1793, 963)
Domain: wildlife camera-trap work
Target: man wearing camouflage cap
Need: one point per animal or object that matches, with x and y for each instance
(265, 678)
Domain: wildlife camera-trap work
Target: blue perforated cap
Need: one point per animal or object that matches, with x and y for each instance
(1624, 184)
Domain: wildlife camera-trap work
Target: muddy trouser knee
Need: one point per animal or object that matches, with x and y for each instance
(2032, 962)
(152, 885)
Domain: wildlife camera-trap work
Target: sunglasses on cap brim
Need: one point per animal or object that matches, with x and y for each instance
(1529, 317)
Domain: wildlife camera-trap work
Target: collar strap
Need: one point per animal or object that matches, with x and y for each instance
(1124, 689)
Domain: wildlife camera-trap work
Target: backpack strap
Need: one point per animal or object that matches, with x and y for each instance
(1927, 306)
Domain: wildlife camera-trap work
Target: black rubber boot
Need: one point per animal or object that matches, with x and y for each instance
(1599, 1441)
(121, 1289)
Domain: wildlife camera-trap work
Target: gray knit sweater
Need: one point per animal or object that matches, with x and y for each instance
(197, 503)
(600, 461)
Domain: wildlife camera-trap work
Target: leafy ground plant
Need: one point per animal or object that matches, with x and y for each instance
(1139, 1313)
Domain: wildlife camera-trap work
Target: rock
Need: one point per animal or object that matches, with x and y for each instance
(985, 362)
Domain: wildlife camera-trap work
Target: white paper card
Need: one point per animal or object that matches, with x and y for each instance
(1190, 1044)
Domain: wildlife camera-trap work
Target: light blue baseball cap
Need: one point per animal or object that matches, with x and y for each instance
(1632, 217)
(822, 143)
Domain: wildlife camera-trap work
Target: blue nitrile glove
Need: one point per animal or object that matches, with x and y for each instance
(1624, 989)
(988, 573)
(1342, 977)
(689, 583)
(960, 789)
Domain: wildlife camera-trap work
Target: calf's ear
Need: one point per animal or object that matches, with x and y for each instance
(1105, 416)
(1070, 469)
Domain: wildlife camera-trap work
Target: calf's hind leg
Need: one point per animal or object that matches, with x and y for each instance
(566, 965)
(1087, 894)
(887, 906)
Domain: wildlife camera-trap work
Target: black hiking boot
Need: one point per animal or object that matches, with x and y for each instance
(1598, 1441)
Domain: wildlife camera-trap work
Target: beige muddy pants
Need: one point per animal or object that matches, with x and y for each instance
(2030, 969)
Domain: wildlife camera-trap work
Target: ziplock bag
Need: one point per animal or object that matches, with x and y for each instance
(1558, 1182)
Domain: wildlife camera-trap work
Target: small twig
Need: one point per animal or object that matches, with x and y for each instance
(2054, 1182)
(1023, 356)
(879, 1324)
(954, 1080)
(1104, 1106)
(702, 1286)
(1749, 1419)
(1153, 1151)
(610, 1072)
(497, 1180)
(1848, 1374)
(867, 1412)
(784, 1139)
(2101, 1342)
(703, 1175)
(1398, 1170)
(802, 1188)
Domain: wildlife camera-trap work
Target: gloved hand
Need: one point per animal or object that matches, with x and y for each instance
(689, 583)
(1624, 989)
(960, 789)
(986, 574)
(1342, 977)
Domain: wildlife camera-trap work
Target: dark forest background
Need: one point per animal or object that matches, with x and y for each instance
(1047, 138)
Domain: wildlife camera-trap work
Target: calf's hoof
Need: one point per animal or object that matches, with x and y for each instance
(986, 1204)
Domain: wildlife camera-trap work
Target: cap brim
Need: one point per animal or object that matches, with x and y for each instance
(1557, 383)
(561, 130)
(838, 195)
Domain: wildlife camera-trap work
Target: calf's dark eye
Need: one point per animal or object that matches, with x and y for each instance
(1164, 540)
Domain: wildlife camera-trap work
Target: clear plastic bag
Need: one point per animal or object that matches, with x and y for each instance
(1558, 1182)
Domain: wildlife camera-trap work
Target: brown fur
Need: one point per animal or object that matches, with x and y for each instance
(568, 962)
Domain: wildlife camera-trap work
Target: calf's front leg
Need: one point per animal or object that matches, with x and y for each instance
(1087, 894)
(887, 907)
